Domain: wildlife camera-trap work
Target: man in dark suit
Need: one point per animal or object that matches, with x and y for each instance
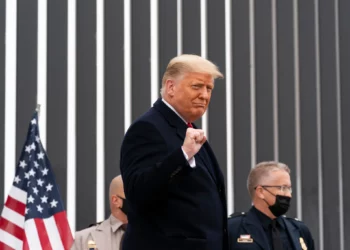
(264, 226)
(172, 179)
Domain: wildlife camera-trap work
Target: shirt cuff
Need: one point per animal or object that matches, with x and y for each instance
(191, 161)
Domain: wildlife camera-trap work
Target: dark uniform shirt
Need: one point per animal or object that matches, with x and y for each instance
(266, 223)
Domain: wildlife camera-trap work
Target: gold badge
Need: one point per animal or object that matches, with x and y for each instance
(302, 243)
(91, 244)
(245, 238)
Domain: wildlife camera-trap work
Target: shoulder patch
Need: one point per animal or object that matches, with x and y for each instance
(236, 214)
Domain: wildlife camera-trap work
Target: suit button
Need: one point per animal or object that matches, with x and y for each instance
(225, 230)
(220, 190)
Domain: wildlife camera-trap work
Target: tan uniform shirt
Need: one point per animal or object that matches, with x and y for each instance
(107, 235)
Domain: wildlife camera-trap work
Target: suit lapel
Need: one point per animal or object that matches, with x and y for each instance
(252, 226)
(171, 117)
(213, 169)
(216, 167)
(180, 126)
(181, 133)
(204, 158)
(293, 233)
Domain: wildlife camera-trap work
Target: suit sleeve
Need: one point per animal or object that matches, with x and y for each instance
(147, 166)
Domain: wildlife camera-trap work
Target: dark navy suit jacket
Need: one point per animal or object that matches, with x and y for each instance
(249, 224)
(172, 206)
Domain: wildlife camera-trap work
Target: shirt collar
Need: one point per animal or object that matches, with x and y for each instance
(266, 221)
(115, 223)
(280, 222)
(173, 109)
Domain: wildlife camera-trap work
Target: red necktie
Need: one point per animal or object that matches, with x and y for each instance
(189, 125)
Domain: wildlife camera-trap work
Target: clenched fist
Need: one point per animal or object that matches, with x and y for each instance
(193, 142)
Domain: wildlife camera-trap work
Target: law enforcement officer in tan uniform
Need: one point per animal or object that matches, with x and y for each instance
(108, 234)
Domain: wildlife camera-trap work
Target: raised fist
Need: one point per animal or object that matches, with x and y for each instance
(193, 142)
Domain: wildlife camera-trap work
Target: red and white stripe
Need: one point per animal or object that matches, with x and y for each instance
(33, 234)
(12, 220)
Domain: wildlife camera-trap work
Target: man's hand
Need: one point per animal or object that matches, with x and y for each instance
(193, 142)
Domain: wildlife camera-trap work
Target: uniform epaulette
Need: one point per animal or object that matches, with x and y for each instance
(236, 214)
(295, 221)
(95, 224)
(289, 218)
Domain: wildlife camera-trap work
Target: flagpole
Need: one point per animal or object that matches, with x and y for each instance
(38, 108)
(34, 200)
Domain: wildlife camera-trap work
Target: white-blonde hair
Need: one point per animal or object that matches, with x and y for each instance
(187, 63)
(261, 171)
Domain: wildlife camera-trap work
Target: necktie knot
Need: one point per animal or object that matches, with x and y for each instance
(274, 224)
(189, 125)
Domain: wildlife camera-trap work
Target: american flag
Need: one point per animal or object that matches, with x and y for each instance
(33, 216)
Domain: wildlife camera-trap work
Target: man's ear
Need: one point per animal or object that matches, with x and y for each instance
(170, 87)
(115, 201)
(259, 192)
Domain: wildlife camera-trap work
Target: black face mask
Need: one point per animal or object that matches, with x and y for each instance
(281, 205)
(125, 207)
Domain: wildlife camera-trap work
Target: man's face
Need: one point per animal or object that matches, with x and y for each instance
(117, 200)
(190, 95)
(278, 183)
(117, 204)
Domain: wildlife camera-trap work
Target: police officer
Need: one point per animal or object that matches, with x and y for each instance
(107, 235)
(264, 226)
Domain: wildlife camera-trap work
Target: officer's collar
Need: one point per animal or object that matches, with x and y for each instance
(266, 221)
